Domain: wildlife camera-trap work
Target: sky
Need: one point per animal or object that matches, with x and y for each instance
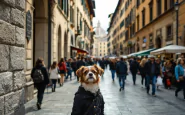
(103, 9)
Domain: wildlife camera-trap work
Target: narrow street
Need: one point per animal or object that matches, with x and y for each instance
(132, 101)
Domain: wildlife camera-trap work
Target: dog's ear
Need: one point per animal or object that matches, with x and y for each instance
(99, 70)
(79, 72)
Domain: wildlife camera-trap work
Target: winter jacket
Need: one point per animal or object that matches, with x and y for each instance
(44, 72)
(54, 73)
(121, 68)
(102, 64)
(148, 66)
(80, 64)
(142, 70)
(112, 66)
(134, 66)
(179, 71)
(86, 101)
(74, 65)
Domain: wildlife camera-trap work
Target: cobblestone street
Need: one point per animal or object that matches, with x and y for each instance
(132, 101)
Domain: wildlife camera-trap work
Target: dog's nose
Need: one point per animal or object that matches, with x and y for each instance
(90, 74)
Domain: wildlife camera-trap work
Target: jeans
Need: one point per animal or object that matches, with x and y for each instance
(180, 86)
(153, 79)
(40, 93)
(113, 74)
(134, 77)
(122, 80)
(69, 73)
(54, 81)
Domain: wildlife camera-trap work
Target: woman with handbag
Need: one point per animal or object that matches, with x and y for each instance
(180, 76)
(54, 75)
(63, 70)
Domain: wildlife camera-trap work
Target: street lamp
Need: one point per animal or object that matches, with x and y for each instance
(177, 20)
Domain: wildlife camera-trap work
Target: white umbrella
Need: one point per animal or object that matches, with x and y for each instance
(169, 49)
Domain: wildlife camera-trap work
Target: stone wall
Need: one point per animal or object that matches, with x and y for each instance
(12, 56)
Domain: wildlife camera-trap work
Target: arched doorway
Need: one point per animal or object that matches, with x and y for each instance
(158, 42)
(65, 45)
(40, 30)
(59, 43)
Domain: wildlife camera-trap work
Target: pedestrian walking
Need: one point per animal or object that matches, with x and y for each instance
(152, 71)
(80, 63)
(142, 71)
(62, 70)
(74, 66)
(180, 76)
(134, 67)
(113, 68)
(40, 78)
(69, 69)
(121, 69)
(54, 75)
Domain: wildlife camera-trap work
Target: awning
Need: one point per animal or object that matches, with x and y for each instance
(79, 50)
(145, 52)
(169, 49)
(142, 53)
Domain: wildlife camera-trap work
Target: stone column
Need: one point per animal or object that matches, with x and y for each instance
(12, 55)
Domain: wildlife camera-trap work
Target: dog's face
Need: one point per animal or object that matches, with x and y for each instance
(89, 74)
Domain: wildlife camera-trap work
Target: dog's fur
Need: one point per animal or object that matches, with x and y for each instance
(89, 77)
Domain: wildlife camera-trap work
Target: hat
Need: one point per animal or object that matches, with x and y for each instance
(151, 56)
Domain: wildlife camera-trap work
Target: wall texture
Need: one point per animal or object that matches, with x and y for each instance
(12, 55)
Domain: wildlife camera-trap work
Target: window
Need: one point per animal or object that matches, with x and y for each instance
(158, 7)
(165, 5)
(169, 32)
(151, 38)
(151, 10)
(143, 17)
(138, 3)
(60, 3)
(144, 39)
(137, 23)
(171, 3)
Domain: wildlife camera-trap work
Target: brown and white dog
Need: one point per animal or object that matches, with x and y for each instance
(88, 99)
(89, 77)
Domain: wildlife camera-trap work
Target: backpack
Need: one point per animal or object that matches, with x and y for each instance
(38, 77)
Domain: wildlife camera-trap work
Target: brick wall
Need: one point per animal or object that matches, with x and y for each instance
(12, 56)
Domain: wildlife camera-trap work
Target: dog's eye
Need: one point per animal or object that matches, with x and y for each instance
(85, 72)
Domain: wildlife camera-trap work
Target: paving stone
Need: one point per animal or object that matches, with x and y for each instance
(7, 34)
(4, 57)
(6, 82)
(17, 55)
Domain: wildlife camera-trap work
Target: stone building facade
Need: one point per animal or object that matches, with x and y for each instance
(12, 57)
(145, 24)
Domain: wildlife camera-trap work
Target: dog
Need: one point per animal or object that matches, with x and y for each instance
(88, 99)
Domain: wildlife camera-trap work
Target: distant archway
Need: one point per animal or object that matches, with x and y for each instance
(59, 43)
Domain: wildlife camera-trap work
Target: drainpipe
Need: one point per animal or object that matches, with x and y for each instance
(49, 33)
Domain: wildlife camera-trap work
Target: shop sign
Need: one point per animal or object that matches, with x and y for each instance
(28, 25)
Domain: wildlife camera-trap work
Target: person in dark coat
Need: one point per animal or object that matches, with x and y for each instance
(134, 67)
(152, 70)
(121, 69)
(80, 63)
(42, 85)
(113, 68)
(74, 66)
(142, 71)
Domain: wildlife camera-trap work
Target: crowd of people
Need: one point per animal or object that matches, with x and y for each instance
(148, 67)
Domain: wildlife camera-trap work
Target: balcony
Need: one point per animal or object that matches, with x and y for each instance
(169, 38)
